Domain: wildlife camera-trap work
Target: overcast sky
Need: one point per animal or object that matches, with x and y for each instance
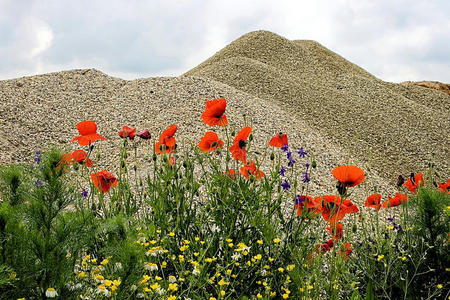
(396, 40)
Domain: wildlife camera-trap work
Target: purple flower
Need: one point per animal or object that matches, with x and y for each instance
(307, 166)
(286, 185)
(285, 148)
(300, 199)
(391, 219)
(301, 152)
(291, 161)
(37, 160)
(84, 193)
(306, 178)
(282, 170)
(38, 183)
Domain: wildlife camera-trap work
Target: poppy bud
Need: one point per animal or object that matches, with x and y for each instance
(272, 156)
(122, 164)
(154, 157)
(144, 134)
(185, 164)
(91, 147)
(165, 159)
(135, 168)
(400, 180)
(140, 182)
(233, 132)
(354, 228)
(250, 138)
(314, 164)
(412, 177)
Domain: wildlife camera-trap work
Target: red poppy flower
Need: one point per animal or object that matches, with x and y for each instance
(103, 180)
(445, 187)
(88, 133)
(325, 247)
(337, 231)
(251, 169)
(66, 159)
(127, 132)
(348, 176)
(346, 251)
(214, 112)
(396, 201)
(144, 134)
(166, 140)
(313, 207)
(210, 142)
(279, 140)
(80, 156)
(239, 143)
(373, 201)
(412, 186)
(333, 210)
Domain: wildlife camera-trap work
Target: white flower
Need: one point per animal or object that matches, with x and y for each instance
(160, 291)
(236, 256)
(150, 266)
(51, 293)
(196, 271)
(173, 279)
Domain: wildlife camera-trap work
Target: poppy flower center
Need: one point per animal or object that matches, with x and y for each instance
(242, 144)
(214, 144)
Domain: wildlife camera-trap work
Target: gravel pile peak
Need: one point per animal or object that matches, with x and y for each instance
(393, 128)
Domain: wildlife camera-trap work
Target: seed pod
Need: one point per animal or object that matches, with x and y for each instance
(314, 164)
(272, 156)
(154, 157)
(354, 228)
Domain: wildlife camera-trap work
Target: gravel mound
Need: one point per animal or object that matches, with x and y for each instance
(41, 111)
(394, 129)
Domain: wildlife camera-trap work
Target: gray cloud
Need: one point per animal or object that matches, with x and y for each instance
(394, 40)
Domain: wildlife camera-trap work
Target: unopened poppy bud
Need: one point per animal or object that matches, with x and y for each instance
(314, 164)
(91, 147)
(75, 166)
(185, 164)
(400, 180)
(122, 164)
(144, 134)
(154, 157)
(354, 228)
(272, 156)
(165, 158)
(135, 168)
(250, 138)
(140, 182)
(233, 132)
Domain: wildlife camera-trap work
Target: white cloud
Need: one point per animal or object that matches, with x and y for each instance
(394, 40)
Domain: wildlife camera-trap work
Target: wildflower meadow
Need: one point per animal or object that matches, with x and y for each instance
(211, 222)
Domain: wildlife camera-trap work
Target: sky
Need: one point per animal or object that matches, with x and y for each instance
(395, 40)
